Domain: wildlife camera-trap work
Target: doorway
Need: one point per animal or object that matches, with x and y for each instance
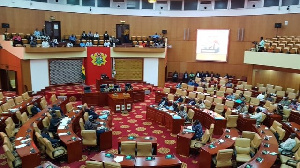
(122, 33)
(8, 80)
(52, 29)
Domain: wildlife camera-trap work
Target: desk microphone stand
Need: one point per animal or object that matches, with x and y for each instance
(125, 109)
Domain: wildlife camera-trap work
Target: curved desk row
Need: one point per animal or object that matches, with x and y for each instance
(207, 152)
(291, 127)
(267, 160)
(140, 161)
(30, 154)
(164, 118)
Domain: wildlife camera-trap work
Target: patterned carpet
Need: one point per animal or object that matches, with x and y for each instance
(133, 124)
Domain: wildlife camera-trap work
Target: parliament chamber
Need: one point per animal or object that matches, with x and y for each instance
(134, 83)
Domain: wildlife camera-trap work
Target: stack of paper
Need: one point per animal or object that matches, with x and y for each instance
(64, 121)
(189, 127)
(118, 159)
(64, 133)
(20, 146)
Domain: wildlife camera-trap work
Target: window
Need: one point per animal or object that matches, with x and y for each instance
(268, 3)
(40, 0)
(73, 2)
(176, 5)
(133, 4)
(190, 5)
(237, 4)
(146, 5)
(221, 4)
(290, 2)
(205, 2)
(103, 3)
(88, 2)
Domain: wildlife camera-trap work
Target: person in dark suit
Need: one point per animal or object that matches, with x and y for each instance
(56, 107)
(175, 77)
(197, 127)
(35, 109)
(163, 102)
(192, 102)
(45, 134)
(84, 36)
(106, 36)
(89, 125)
(54, 122)
(92, 112)
(185, 78)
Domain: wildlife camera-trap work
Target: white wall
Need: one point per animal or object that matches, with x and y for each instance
(151, 71)
(39, 74)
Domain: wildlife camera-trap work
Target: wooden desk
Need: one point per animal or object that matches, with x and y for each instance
(183, 142)
(119, 102)
(141, 139)
(244, 122)
(270, 118)
(100, 157)
(46, 165)
(268, 160)
(159, 161)
(291, 127)
(206, 153)
(29, 159)
(207, 117)
(295, 117)
(74, 147)
(164, 118)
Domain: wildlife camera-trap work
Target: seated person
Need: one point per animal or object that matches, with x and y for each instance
(285, 102)
(45, 134)
(242, 108)
(241, 97)
(106, 36)
(191, 82)
(89, 125)
(230, 96)
(279, 109)
(287, 145)
(54, 43)
(261, 96)
(182, 113)
(197, 127)
(179, 100)
(213, 82)
(174, 107)
(294, 104)
(175, 76)
(179, 85)
(82, 44)
(185, 77)
(69, 44)
(33, 43)
(17, 40)
(200, 104)
(72, 38)
(54, 122)
(106, 43)
(163, 102)
(35, 109)
(90, 36)
(89, 43)
(228, 84)
(37, 33)
(84, 35)
(45, 44)
(257, 115)
(269, 98)
(91, 112)
(128, 87)
(56, 107)
(192, 76)
(192, 102)
(96, 36)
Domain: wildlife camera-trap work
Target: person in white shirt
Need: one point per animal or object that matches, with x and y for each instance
(106, 44)
(69, 44)
(257, 116)
(89, 43)
(45, 44)
(288, 145)
(261, 96)
(96, 36)
(261, 46)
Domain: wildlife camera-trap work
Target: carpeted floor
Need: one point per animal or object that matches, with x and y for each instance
(132, 124)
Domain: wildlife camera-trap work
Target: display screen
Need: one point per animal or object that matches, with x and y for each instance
(212, 45)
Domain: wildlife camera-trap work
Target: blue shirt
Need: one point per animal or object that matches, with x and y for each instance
(198, 131)
(72, 38)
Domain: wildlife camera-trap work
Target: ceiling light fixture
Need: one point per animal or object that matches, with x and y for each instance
(151, 1)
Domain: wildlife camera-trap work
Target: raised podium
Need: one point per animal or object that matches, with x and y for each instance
(120, 102)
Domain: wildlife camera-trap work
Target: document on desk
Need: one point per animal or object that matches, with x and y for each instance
(64, 121)
(118, 159)
(188, 130)
(25, 140)
(19, 138)
(63, 133)
(61, 127)
(189, 127)
(21, 146)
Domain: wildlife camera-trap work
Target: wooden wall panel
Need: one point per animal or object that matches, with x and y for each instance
(26, 75)
(182, 56)
(129, 69)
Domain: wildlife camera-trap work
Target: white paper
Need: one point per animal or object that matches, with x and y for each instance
(61, 127)
(19, 138)
(20, 146)
(118, 159)
(189, 127)
(233, 138)
(25, 140)
(64, 133)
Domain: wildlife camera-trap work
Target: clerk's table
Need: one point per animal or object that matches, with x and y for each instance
(120, 102)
